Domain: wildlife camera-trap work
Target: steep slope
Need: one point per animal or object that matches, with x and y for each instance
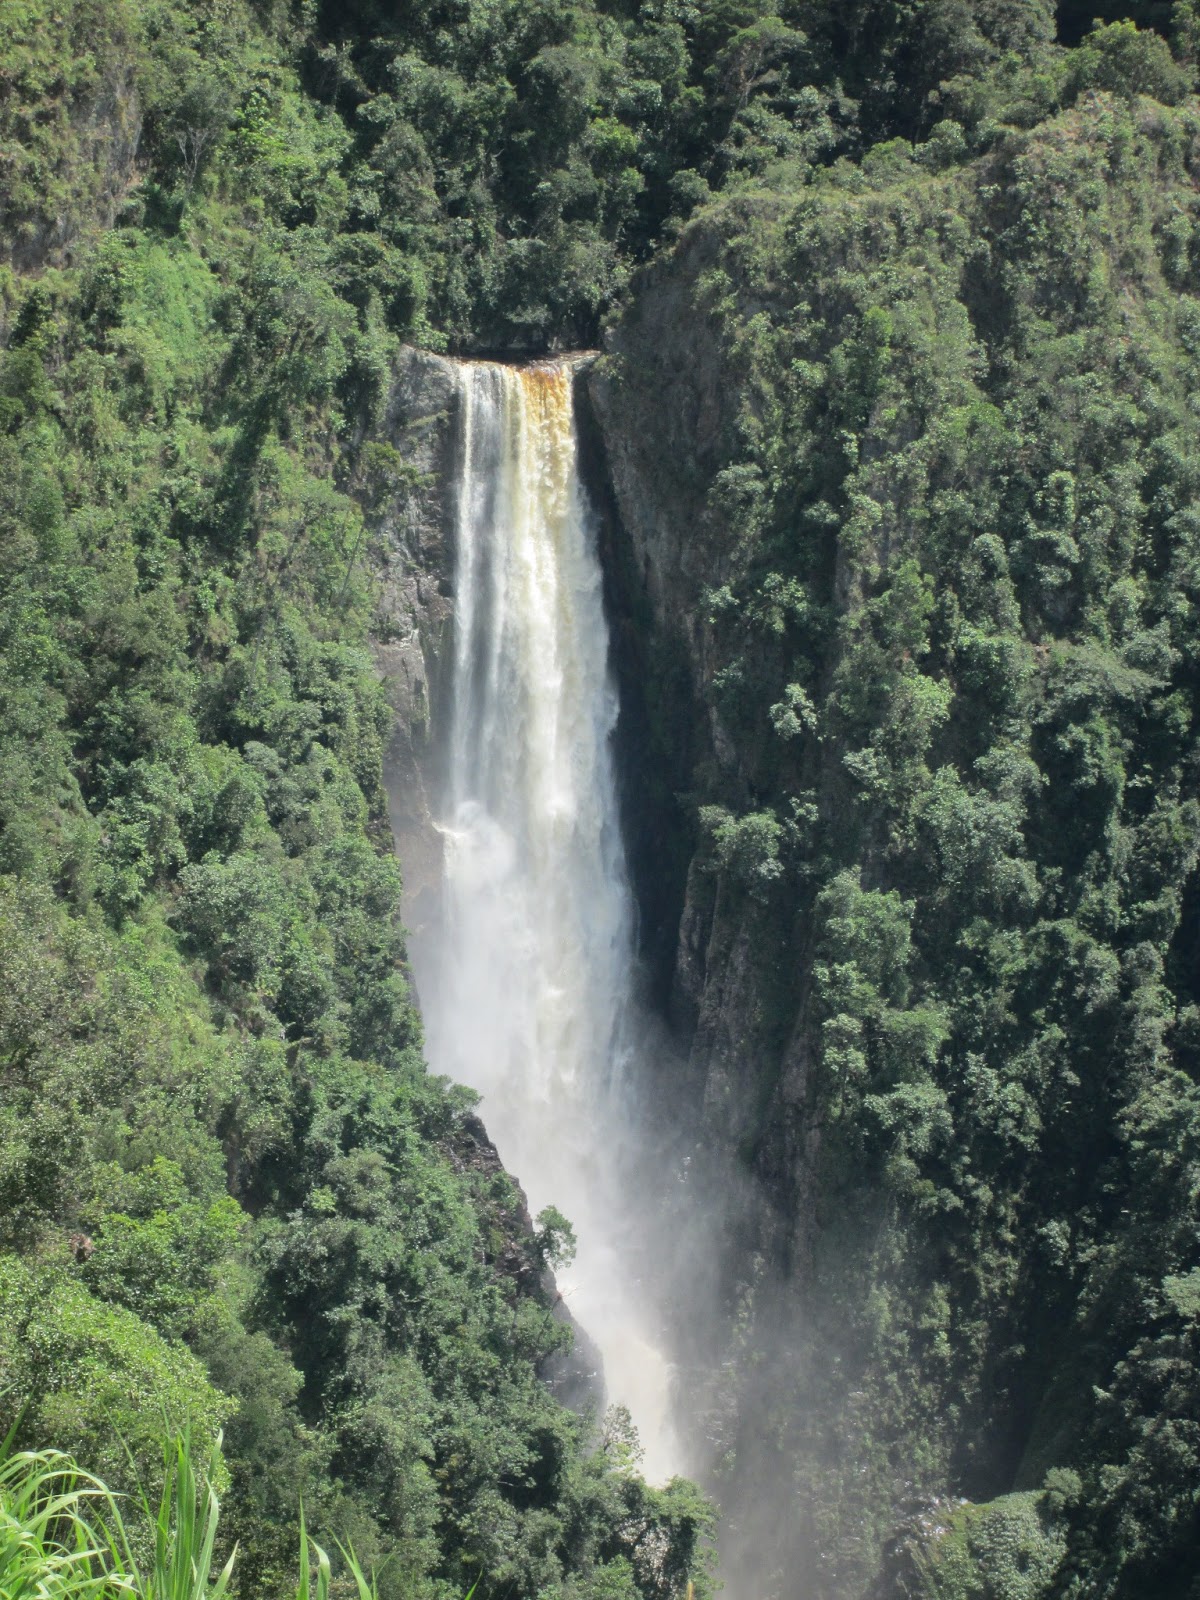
(231, 1197)
(898, 438)
(906, 460)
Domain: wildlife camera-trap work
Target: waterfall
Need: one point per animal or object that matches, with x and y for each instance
(526, 986)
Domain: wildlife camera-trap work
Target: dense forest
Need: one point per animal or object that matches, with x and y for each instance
(900, 301)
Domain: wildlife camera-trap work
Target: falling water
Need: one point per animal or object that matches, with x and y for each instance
(527, 987)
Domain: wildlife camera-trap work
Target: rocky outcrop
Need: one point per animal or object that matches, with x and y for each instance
(575, 1375)
(45, 211)
(666, 408)
(413, 496)
(666, 405)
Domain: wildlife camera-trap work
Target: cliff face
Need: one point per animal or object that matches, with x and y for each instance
(72, 163)
(886, 458)
(657, 418)
(411, 490)
(650, 449)
(897, 482)
(668, 405)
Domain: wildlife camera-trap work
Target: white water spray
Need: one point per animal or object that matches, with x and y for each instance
(526, 987)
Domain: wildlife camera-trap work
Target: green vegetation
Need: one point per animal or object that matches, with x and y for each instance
(1009, 1550)
(64, 1536)
(230, 1196)
(948, 515)
(944, 562)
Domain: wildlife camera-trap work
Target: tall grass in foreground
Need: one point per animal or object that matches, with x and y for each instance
(52, 1543)
(63, 1536)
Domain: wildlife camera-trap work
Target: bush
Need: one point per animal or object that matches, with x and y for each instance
(1123, 59)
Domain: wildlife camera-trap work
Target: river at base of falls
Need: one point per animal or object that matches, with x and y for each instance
(526, 985)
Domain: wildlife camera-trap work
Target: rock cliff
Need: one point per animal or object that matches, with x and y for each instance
(412, 493)
(666, 403)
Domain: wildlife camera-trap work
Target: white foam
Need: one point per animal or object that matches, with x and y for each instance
(526, 984)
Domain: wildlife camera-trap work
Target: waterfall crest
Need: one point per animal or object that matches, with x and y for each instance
(527, 985)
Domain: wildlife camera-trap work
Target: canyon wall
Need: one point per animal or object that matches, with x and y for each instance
(893, 492)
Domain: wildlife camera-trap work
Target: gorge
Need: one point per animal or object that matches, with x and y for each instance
(733, 795)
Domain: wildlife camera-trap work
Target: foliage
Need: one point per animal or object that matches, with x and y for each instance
(1008, 1550)
(947, 273)
(939, 584)
(64, 1535)
(231, 1199)
(49, 1544)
